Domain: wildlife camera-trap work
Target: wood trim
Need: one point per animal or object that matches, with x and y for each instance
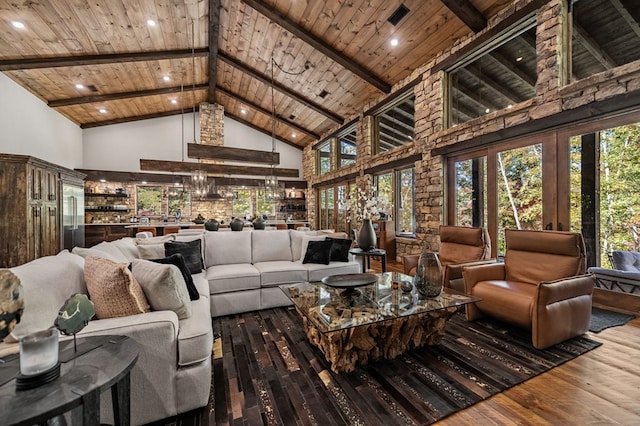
(393, 165)
(335, 180)
(319, 44)
(596, 110)
(138, 117)
(336, 132)
(113, 58)
(281, 88)
(618, 301)
(219, 169)
(488, 35)
(214, 29)
(211, 152)
(395, 95)
(123, 95)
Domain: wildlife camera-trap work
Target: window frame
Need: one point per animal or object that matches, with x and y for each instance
(377, 115)
(396, 183)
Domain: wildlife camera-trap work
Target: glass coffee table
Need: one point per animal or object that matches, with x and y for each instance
(378, 321)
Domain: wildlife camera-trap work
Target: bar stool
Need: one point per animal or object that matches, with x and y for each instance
(171, 230)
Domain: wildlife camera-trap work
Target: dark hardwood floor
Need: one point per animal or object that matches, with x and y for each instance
(601, 387)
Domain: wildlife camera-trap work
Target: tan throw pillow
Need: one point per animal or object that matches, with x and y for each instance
(151, 251)
(164, 287)
(113, 289)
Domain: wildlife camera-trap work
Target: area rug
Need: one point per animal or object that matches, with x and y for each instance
(268, 373)
(602, 319)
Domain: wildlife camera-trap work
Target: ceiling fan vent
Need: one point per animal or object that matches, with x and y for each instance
(292, 117)
(323, 94)
(397, 16)
(92, 88)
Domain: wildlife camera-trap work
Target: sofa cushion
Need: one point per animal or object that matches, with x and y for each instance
(626, 260)
(513, 303)
(164, 286)
(270, 246)
(317, 272)
(224, 248)
(62, 275)
(280, 272)
(233, 277)
(340, 249)
(195, 335)
(151, 251)
(128, 247)
(296, 242)
(93, 251)
(191, 251)
(177, 260)
(113, 289)
(318, 252)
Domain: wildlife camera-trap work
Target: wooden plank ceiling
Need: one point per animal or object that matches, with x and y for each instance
(326, 59)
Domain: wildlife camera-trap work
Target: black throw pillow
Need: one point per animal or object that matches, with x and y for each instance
(177, 260)
(190, 251)
(340, 249)
(318, 252)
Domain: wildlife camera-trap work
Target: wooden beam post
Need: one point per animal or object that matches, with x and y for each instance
(211, 152)
(216, 169)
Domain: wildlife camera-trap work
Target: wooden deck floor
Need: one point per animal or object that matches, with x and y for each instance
(601, 387)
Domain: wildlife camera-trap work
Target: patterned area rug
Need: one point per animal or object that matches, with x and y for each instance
(602, 319)
(269, 374)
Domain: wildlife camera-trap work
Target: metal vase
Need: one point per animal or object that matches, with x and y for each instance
(428, 278)
(367, 236)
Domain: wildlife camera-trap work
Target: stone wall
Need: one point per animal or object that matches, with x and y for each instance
(552, 96)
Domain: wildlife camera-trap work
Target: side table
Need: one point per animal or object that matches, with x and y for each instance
(366, 256)
(79, 386)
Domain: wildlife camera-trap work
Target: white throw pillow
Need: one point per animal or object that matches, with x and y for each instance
(92, 251)
(151, 251)
(164, 287)
(305, 244)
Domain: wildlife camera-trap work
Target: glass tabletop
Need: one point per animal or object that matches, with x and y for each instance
(333, 309)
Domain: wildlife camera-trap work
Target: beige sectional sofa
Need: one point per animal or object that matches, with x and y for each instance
(173, 372)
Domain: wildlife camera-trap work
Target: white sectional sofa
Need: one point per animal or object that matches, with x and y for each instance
(173, 372)
(244, 269)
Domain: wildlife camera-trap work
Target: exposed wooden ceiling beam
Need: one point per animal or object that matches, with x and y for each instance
(261, 130)
(137, 118)
(267, 112)
(508, 67)
(214, 29)
(281, 88)
(467, 13)
(122, 95)
(319, 44)
(499, 89)
(592, 46)
(212, 152)
(118, 176)
(623, 10)
(112, 58)
(220, 169)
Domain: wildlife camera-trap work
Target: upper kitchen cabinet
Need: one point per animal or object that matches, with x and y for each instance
(31, 215)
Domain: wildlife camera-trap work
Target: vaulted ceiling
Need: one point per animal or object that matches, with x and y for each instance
(321, 60)
(326, 59)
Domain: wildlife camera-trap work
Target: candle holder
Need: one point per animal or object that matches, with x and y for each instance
(38, 359)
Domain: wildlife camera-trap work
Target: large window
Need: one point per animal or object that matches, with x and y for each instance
(347, 147)
(339, 150)
(604, 35)
(394, 124)
(149, 200)
(398, 189)
(495, 77)
(324, 157)
(242, 203)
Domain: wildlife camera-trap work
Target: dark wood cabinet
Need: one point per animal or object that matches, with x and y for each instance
(386, 236)
(30, 216)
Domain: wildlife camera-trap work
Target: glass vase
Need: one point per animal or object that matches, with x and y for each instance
(428, 278)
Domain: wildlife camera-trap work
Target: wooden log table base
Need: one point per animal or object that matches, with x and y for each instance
(344, 349)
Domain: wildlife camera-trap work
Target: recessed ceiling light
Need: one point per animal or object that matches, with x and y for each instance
(509, 106)
(243, 111)
(174, 101)
(293, 135)
(144, 182)
(79, 86)
(487, 110)
(394, 42)
(519, 58)
(166, 78)
(102, 110)
(103, 180)
(17, 24)
(151, 23)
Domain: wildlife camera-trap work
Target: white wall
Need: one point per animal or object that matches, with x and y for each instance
(29, 127)
(119, 147)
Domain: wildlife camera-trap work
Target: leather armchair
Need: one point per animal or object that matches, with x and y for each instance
(541, 286)
(459, 246)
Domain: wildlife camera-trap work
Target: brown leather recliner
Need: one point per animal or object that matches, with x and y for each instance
(459, 246)
(541, 286)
